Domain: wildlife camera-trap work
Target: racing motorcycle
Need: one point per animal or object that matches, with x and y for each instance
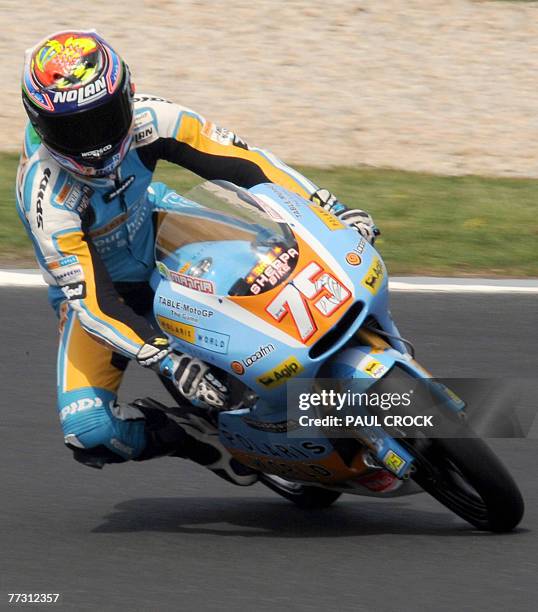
(274, 291)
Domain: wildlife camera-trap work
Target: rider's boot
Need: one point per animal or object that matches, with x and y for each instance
(189, 434)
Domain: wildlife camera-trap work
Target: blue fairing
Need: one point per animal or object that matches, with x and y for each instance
(203, 321)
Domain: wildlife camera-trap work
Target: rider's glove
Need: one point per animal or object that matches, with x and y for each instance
(353, 217)
(194, 380)
(153, 352)
(192, 377)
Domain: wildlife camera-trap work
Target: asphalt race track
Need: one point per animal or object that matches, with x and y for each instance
(167, 535)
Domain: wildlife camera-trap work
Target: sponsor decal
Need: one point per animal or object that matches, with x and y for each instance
(262, 351)
(289, 368)
(453, 396)
(278, 427)
(393, 461)
(145, 135)
(271, 212)
(78, 198)
(330, 221)
(273, 268)
(113, 235)
(40, 195)
(192, 282)
(150, 353)
(185, 310)
(75, 291)
(114, 193)
(238, 367)
(353, 259)
(204, 338)
(286, 200)
(212, 340)
(80, 405)
(222, 135)
(150, 99)
(185, 280)
(380, 480)
(143, 118)
(82, 95)
(325, 291)
(294, 210)
(68, 274)
(359, 249)
(179, 330)
(302, 450)
(374, 368)
(108, 228)
(217, 133)
(163, 270)
(96, 153)
(63, 193)
(65, 261)
(374, 276)
(239, 142)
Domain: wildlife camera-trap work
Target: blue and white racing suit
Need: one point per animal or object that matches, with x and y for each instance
(94, 242)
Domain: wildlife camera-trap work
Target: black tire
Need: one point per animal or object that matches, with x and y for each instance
(307, 498)
(467, 477)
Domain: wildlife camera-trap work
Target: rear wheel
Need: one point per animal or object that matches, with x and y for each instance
(305, 497)
(467, 477)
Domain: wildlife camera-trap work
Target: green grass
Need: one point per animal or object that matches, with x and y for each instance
(430, 224)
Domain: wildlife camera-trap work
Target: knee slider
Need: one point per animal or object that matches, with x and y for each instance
(96, 457)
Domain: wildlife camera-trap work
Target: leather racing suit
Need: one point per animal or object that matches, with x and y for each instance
(94, 242)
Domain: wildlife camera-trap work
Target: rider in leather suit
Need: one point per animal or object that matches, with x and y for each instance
(86, 198)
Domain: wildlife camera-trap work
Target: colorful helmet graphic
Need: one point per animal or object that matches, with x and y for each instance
(78, 95)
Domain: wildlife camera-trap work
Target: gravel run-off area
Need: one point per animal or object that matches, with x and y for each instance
(444, 86)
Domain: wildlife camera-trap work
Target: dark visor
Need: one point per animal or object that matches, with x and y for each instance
(91, 129)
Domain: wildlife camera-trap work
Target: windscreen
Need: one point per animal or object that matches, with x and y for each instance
(225, 242)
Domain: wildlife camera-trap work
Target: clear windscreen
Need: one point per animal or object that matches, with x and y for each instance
(227, 243)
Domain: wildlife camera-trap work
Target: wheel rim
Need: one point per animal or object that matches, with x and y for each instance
(449, 485)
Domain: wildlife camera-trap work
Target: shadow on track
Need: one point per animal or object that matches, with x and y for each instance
(248, 517)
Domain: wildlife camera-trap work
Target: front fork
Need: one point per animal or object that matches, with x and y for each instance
(385, 449)
(370, 361)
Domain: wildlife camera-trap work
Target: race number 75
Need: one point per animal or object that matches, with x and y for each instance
(312, 284)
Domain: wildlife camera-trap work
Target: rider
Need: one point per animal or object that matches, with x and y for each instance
(85, 196)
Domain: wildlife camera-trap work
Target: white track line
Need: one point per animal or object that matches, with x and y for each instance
(410, 284)
(475, 286)
(21, 278)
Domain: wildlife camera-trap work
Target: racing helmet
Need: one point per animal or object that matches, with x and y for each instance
(78, 95)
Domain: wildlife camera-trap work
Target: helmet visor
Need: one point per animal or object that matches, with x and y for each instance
(91, 133)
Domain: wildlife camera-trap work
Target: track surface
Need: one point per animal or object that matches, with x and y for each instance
(166, 535)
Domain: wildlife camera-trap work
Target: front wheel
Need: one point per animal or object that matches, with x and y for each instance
(307, 498)
(467, 477)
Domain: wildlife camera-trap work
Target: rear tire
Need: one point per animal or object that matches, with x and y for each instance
(307, 498)
(467, 477)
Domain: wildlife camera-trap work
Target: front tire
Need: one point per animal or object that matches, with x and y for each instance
(467, 477)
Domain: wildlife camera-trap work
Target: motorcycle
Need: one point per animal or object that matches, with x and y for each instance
(274, 290)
